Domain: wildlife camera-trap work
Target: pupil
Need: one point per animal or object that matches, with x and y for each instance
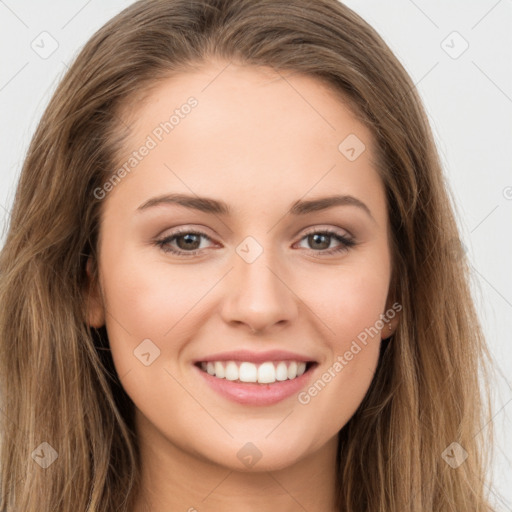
(315, 236)
(190, 238)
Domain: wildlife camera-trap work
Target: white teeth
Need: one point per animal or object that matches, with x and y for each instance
(292, 370)
(248, 372)
(219, 370)
(281, 371)
(231, 371)
(265, 373)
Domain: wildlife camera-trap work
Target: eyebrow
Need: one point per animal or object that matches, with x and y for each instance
(215, 206)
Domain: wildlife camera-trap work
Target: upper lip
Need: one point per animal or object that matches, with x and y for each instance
(255, 357)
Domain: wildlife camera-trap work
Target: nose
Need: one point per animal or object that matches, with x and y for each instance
(258, 296)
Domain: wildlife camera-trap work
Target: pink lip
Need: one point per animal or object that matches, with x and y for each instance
(256, 394)
(255, 357)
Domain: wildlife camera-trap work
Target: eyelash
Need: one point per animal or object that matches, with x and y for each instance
(163, 244)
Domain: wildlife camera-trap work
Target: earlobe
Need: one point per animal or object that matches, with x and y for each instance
(94, 303)
(389, 328)
(391, 318)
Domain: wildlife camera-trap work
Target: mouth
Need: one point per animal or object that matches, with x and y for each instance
(264, 373)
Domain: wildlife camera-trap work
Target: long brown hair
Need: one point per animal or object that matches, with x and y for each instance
(58, 382)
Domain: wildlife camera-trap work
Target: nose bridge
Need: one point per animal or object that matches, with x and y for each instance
(258, 295)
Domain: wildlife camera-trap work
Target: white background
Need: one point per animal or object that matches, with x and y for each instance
(468, 100)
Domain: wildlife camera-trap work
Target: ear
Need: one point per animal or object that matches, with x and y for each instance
(93, 298)
(391, 318)
(392, 314)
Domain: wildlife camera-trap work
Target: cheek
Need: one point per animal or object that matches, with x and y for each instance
(148, 307)
(352, 311)
(355, 319)
(350, 301)
(350, 308)
(149, 298)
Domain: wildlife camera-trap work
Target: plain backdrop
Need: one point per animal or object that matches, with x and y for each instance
(459, 55)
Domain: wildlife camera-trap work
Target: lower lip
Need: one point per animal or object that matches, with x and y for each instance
(257, 394)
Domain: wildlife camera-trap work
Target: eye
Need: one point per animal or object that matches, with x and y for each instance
(321, 239)
(189, 242)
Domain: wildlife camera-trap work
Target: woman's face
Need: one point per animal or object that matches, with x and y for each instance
(266, 262)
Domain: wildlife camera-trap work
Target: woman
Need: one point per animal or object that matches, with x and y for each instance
(255, 369)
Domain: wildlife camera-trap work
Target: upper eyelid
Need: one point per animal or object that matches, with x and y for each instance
(308, 230)
(315, 229)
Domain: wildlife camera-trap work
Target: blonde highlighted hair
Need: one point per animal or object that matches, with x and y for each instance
(58, 382)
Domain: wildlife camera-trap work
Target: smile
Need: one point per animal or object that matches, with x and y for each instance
(267, 372)
(256, 384)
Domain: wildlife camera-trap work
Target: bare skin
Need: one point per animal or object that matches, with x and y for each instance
(255, 143)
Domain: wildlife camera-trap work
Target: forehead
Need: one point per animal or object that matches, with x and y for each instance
(246, 101)
(252, 130)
